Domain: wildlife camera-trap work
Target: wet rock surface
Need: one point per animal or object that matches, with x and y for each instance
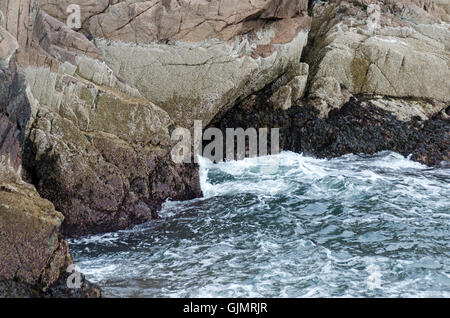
(358, 127)
(361, 128)
(33, 252)
(117, 187)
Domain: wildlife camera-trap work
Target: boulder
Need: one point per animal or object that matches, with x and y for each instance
(34, 256)
(32, 249)
(282, 99)
(290, 86)
(298, 85)
(327, 94)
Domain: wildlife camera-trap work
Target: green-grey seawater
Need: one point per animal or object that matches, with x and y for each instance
(288, 226)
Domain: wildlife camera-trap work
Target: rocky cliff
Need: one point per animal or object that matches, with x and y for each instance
(87, 113)
(376, 77)
(105, 98)
(34, 256)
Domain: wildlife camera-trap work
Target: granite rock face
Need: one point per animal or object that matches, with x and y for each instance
(375, 82)
(95, 147)
(33, 253)
(146, 21)
(86, 114)
(105, 97)
(32, 249)
(95, 152)
(43, 40)
(195, 58)
(389, 48)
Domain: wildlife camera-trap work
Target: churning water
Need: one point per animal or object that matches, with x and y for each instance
(353, 226)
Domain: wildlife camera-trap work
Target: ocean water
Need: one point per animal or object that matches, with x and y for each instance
(288, 226)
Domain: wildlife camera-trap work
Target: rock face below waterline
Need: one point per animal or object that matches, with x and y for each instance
(358, 127)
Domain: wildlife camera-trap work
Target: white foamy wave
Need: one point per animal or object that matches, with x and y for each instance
(107, 238)
(205, 163)
(272, 175)
(394, 161)
(263, 169)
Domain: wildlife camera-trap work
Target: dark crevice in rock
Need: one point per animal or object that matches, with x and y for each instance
(44, 175)
(358, 127)
(14, 114)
